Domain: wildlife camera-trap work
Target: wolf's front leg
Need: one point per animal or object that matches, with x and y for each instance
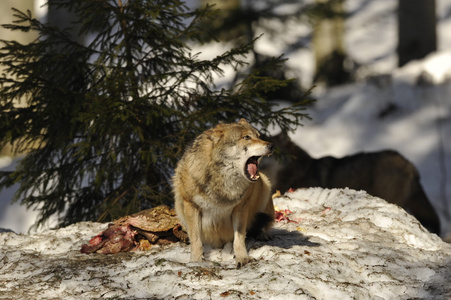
(239, 219)
(192, 215)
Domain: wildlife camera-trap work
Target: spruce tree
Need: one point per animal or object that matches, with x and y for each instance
(103, 124)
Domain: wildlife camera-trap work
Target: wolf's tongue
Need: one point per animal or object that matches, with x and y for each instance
(252, 168)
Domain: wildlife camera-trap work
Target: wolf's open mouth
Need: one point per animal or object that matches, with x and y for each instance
(252, 168)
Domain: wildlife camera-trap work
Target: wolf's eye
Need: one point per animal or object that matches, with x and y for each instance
(246, 137)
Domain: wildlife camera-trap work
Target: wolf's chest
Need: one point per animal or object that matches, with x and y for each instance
(217, 226)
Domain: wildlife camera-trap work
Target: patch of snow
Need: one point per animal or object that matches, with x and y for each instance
(345, 118)
(338, 247)
(13, 216)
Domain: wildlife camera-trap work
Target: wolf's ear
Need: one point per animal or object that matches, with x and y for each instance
(215, 134)
(243, 121)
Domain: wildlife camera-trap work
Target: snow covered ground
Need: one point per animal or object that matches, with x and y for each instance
(343, 244)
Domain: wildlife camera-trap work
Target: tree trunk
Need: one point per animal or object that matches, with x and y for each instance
(62, 18)
(6, 17)
(416, 30)
(328, 35)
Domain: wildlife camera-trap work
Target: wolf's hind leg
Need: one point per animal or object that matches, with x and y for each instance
(260, 225)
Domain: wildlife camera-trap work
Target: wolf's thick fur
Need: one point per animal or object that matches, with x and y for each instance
(385, 174)
(219, 193)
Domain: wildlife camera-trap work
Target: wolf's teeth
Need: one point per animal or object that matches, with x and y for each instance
(255, 177)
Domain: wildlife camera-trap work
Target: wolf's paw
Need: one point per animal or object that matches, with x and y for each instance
(242, 261)
(196, 257)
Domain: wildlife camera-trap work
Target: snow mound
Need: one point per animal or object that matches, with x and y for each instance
(338, 243)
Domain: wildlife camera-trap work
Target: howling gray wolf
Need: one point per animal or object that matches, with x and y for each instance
(220, 196)
(384, 174)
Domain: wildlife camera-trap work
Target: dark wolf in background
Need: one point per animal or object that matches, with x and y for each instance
(384, 174)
